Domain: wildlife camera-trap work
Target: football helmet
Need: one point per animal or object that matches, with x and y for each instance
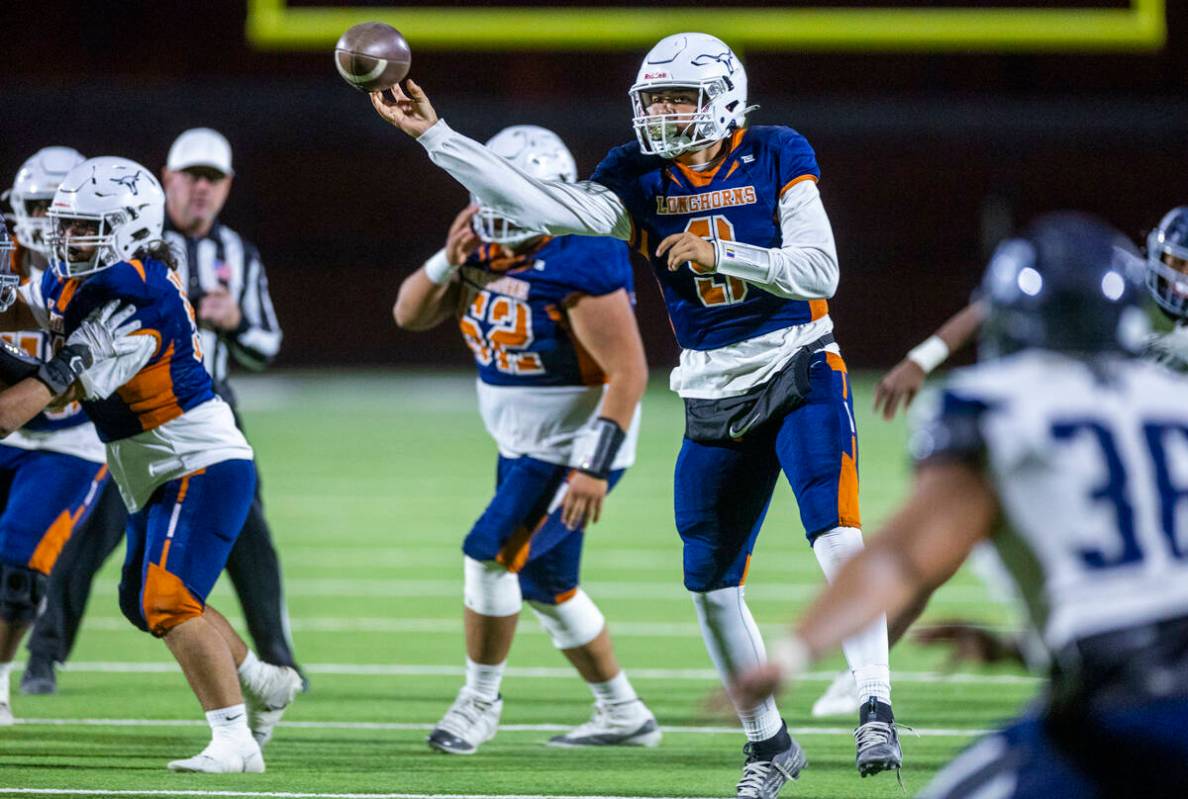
(35, 183)
(538, 152)
(9, 279)
(1167, 263)
(125, 205)
(1070, 283)
(689, 61)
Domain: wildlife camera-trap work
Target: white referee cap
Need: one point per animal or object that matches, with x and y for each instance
(200, 147)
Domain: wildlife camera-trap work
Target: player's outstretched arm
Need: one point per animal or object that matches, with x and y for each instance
(583, 208)
(605, 327)
(429, 295)
(903, 382)
(952, 508)
(102, 337)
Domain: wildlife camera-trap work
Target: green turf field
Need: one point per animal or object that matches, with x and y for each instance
(371, 481)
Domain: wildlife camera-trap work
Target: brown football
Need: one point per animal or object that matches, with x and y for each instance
(372, 56)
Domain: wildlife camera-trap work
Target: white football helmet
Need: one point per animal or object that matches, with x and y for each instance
(690, 61)
(125, 202)
(35, 183)
(541, 154)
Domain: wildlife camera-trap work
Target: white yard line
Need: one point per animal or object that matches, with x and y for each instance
(396, 726)
(399, 587)
(299, 795)
(547, 672)
(382, 624)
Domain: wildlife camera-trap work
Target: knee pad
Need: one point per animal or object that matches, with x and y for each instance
(21, 592)
(489, 589)
(834, 547)
(575, 622)
(167, 602)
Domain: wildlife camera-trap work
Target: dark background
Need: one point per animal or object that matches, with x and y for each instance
(926, 158)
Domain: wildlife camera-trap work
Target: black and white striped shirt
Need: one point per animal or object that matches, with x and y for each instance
(223, 258)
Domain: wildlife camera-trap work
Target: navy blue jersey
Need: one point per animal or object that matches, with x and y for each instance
(174, 380)
(515, 314)
(736, 201)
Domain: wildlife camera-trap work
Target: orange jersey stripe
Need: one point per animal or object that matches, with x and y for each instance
(150, 393)
(794, 181)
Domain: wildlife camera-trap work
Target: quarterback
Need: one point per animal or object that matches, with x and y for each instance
(730, 218)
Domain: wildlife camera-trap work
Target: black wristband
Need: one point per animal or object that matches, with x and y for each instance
(608, 438)
(63, 369)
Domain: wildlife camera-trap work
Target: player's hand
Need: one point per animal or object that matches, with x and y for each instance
(106, 333)
(461, 241)
(901, 384)
(754, 686)
(583, 500)
(682, 247)
(218, 309)
(969, 642)
(410, 112)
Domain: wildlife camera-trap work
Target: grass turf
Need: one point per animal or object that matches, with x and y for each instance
(370, 482)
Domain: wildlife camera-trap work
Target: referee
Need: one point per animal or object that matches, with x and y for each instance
(229, 291)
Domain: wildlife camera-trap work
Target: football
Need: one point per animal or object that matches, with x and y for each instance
(372, 56)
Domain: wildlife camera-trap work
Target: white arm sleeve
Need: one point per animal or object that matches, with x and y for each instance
(583, 208)
(30, 293)
(105, 376)
(805, 266)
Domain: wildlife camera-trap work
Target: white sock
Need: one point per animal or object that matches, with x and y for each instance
(5, 669)
(229, 724)
(734, 645)
(484, 679)
(614, 691)
(866, 652)
(250, 669)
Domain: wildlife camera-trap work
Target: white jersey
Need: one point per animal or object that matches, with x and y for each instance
(548, 422)
(1090, 464)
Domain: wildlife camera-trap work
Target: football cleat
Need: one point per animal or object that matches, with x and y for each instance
(877, 739)
(614, 724)
(762, 778)
(267, 695)
(469, 722)
(6, 719)
(224, 757)
(39, 677)
(840, 698)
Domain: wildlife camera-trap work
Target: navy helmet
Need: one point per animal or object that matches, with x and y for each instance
(1167, 263)
(1070, 283)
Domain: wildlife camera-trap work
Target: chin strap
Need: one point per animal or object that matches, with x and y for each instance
(599, 447)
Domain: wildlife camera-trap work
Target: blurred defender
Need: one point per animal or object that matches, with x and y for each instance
(734, 227)
(561, 372)
(1071, 455)
(1167, 284)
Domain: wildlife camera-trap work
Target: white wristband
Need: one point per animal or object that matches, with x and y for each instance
(791, 654)
(930, 354)
(439, 269)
